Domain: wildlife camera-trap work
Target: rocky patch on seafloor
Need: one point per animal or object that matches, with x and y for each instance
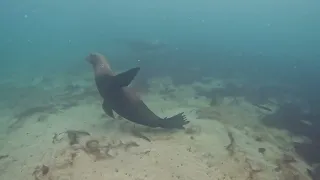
(264, 97)
(286, 168)
(291, 117)
(309, 151)
(314, 173)
(283, 108)
(240, 164)
(82, 148)
(298, 122)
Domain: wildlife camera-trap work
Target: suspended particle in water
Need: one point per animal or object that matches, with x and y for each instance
(26, 16)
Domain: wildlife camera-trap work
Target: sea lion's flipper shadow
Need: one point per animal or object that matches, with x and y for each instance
(125, 78)
(107, 109)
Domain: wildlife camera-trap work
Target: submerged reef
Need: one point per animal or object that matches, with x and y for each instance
(289, 111)
(309, 151)
(292, 118)
(257, 95)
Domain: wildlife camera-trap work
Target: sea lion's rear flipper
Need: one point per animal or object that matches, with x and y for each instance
(107, 109)
(174, 122)
(125, 78)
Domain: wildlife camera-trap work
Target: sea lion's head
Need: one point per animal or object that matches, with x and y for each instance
(96, 59)
(99, 64)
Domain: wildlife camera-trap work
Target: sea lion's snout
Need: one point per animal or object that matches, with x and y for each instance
(92, 58)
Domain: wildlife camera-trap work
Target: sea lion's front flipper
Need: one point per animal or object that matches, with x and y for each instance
(125, 78)
(107, 109)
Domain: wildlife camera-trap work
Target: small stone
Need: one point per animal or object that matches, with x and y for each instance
(259, 139)
(288, 158)
(262, 150)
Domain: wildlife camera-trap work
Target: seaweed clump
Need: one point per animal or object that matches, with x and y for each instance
(4, 156)
(40, 171)
(230, 148)
(93, 147)
(101, 152)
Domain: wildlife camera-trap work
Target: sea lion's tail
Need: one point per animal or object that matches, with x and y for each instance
(174, 122)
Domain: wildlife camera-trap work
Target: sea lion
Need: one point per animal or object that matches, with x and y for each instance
(118, 97)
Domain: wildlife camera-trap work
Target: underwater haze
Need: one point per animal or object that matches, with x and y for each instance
(226, 90)
(50, 35)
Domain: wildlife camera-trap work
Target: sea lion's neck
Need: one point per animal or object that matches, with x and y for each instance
(103, 68)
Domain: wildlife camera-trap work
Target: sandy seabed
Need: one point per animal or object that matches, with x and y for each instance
(71, 139)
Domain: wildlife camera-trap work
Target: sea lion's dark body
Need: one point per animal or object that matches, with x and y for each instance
(125, 103)
(123, 100)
